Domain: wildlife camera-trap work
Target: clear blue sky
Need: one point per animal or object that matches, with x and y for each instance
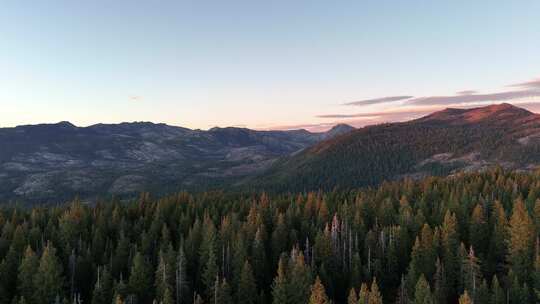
(262, 64)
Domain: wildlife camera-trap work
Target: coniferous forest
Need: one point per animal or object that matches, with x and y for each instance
(469, 238)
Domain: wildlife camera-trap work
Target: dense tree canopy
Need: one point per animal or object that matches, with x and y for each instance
(470, 238)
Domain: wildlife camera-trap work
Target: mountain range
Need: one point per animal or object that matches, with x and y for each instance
(55, 162)
(443, 143)
(52, 162)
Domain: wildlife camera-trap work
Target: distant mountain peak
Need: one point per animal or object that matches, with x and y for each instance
(492, 113)
(342, 126)
(66, 125)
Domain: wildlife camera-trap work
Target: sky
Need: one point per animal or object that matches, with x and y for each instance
(262, 64)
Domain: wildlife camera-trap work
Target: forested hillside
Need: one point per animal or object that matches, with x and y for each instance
(469, 238)
(442, 143)
(51, 162)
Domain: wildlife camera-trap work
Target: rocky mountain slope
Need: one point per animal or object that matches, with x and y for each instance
(51, 162)
(442, 143)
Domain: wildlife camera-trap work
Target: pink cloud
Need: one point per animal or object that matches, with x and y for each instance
(376, 100)
(528, 84)
(471, 98)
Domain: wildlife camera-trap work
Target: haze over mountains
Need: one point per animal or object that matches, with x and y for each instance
(52, 162)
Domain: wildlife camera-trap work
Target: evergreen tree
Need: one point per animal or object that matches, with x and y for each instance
(48, 280)
(102, 293)
(209, 275)
(440, 288)
(498, 242)
(162, 277)
(450, 243)
(363, 295)
(300, 279)
(497, 293)
(318, 294)
(402, 296)
(198, 299)
(280, 287)
(27, 270)
(536, 273)
(353, 297)
(8, 271)
(225, 295)
(422, 293)
(181, 277)
(118, 300)
(482, 294)
(471, 272)
(465, 298)
(521, 241)
(247, 288)
(479, 233)
(167, 297)
(375, 296)
(140, 279)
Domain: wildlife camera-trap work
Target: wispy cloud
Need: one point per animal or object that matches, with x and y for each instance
(525, 94)
(315, 127)
(404, 112)
(533, 84)
(466, 92)
(135, 98)
(471, 98)
(377, 100)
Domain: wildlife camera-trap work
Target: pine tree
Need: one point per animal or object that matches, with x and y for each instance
(497, 293)
(259, 255)
(27, 270)
(414, 271)
(450, 242)
(167, 297)
(318, 294)
(521, 242)
(162, 281)
(300, 279)
(121, 256)
(375, 296)
(181, 278)
(440, 288)
(478, 230)
(471, 272)
(422, 293)
(279, 238)
(121, 290)
(353, 297)
(225, 295)
(280, 286)
(102, 293)
(118, 300)
(465, 298)
(247, 288)
(198, 299)
(536, 273)
(48, 280)
(497, 253)
(140, 279)
(363, 295)
(209, 276)
(8, 271)
(482, 294)
(403, 296)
